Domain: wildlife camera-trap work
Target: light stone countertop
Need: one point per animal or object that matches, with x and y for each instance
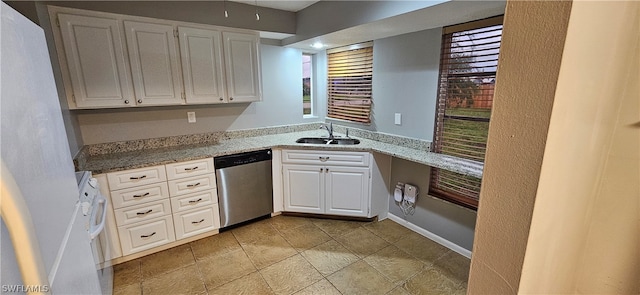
(99, 164)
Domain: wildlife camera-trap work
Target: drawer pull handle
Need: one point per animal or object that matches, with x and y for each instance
(323, 159)
(193, 185)
(149, 235)
(197, 222)
(190, 169)
(195, 201)
(145, 213)
(136, 178)
(140, 196)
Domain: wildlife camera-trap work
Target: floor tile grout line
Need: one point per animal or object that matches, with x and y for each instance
(426, 264)
(384, 275)
(198, 270)
(265, 281)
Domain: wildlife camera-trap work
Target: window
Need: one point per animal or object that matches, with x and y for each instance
(468, 65)
(307, 102)
(350, 72)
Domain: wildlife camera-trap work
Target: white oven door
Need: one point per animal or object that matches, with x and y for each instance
(99, 243)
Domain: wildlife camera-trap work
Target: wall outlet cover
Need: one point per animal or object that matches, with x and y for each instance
(191, 116)
(398, 119)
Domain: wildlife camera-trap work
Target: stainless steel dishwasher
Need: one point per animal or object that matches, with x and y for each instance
(245, 186)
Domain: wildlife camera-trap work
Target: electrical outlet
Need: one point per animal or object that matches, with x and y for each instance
(398, 119)
(191, 116)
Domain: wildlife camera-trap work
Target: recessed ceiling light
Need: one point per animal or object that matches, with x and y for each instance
(317, 45)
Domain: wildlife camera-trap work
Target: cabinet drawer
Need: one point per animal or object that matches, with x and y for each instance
(194, 200)
(136, 177)
(197, 221)
(190, 168)
(138, 237)
(129, 215)
(192, 184)
(326, 158)
(139, 195)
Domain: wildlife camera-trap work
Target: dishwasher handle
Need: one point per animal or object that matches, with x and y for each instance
(241, 159)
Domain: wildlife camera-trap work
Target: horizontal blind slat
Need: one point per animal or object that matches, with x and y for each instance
(349, 84)
(468, 65)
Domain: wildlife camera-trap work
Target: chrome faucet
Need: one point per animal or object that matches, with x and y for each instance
(329, 129)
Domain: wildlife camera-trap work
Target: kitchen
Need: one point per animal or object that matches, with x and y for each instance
(94, 127)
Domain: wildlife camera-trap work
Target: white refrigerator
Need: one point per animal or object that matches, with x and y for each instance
(45, 246)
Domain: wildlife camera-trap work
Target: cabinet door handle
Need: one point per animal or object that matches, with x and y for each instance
(230, 98)
(190, 169)
(197, 222)
(149, 235)
(221, 99)
(136, 178)
(326, 170)
(195, 201)
(145, 213)
(139, 100)
(193, 185)
(140, 196)
(321, 169)
(126, 101)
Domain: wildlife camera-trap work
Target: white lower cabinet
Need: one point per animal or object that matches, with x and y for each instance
(143, 212)
(146, 235)
(347, 191)
(196, 221)
(314, 183)
(158, 205)
(194, 199)
(303, 188)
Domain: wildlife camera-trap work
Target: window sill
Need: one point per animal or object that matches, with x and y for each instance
(346, 121)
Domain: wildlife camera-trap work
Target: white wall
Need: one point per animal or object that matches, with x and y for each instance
(585, 228)
(281, 105)
(405, 81)
(530, 56)
(449, 221)
(559, 208)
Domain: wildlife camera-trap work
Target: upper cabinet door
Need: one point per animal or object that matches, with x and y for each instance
(242, 63)
(96, 62)
(201, 56)
(154, 63)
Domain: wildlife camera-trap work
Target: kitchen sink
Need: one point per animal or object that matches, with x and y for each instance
(324, 140)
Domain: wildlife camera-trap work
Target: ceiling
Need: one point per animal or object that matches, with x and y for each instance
(438, 15)
(433, 14)
(293, 5)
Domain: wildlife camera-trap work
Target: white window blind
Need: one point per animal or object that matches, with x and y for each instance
(468, 64)
(350, 73)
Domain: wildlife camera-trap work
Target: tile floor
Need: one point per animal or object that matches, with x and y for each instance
(296, 255)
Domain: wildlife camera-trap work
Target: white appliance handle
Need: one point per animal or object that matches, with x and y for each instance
(96, 229)
(17, 218)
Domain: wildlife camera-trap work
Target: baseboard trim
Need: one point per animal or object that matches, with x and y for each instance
(436, 238)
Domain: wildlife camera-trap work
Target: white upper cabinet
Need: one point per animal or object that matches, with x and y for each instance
(202, 68)
(154, 63)
(95, 60)
(242, 62)
(112, 60)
